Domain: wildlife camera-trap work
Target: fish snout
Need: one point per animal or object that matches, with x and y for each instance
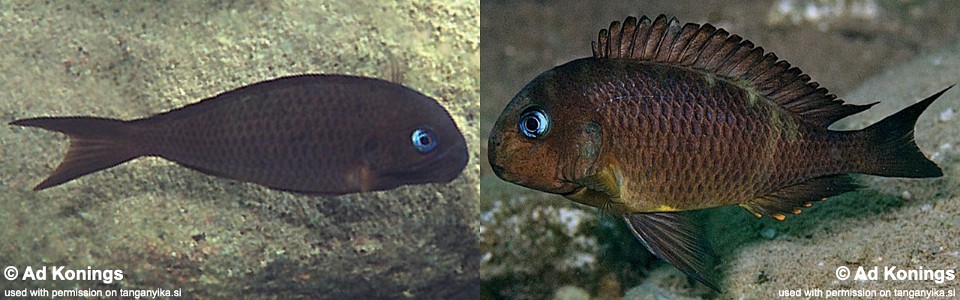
(497, 169)
(493, 147)
(450, 163)
(502, 157)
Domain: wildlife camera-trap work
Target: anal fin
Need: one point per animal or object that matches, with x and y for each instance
(676, 239)
(795, 197)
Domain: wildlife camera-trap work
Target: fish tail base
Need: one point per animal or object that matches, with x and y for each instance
(95, 144)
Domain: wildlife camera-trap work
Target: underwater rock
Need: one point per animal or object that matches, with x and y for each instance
(824, 12)
(666, 283)
(768, 233)
(649, 291)
(527, 236)
(569, 292)
(946, 115)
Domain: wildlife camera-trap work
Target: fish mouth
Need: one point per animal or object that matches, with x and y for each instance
(493, 146)
(463, 157)
(505, 174)
(441, 168)
(496, 169)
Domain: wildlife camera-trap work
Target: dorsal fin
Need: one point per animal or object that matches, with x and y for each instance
(709, 49)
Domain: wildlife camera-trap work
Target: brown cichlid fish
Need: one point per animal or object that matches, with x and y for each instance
(666, 118)
(312, 134)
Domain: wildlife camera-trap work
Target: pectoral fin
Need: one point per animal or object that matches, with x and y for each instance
(601, 189)
(676, 239)
(607, 181)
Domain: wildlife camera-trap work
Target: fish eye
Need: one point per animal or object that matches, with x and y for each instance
(534, 123)
(423, 139)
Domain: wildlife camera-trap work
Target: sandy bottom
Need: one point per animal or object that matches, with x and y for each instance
(171, 228)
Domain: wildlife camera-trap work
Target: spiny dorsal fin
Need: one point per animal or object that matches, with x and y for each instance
(709, 49)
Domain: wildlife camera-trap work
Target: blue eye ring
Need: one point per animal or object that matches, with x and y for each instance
(534, 123)
(423, 140)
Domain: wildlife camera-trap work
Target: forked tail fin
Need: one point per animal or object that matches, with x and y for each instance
(95, 144)
(896, 153)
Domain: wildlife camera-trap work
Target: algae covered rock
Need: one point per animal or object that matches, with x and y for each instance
(532, 243)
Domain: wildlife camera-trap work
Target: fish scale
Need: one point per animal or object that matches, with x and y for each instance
(312, 134)
(666, 118)
(254, 125)
(673, 135)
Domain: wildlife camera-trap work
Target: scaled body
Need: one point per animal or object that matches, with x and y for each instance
(315, 134)
(675, 139)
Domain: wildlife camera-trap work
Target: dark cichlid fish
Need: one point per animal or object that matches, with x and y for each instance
(666, 118)
(313, 134)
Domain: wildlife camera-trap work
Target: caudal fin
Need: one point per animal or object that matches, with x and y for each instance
(891, 140)
(95, 144)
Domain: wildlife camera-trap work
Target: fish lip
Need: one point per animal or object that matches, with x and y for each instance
(463, 152)
(441, 160)
(499, 170)
(496, 168)
(493, 145)
(564, 188)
